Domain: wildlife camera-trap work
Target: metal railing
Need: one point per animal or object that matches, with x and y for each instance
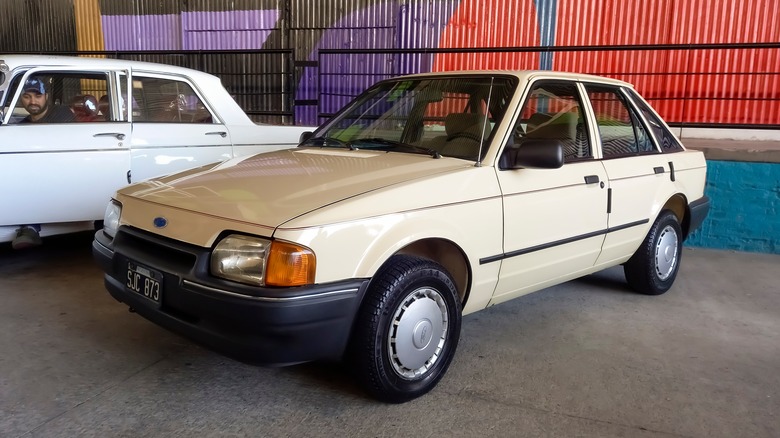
(691, 85)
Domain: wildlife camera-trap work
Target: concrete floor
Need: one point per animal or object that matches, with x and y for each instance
(587, 358)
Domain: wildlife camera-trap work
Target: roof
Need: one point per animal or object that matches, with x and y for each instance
(16, 61)
(527, 75)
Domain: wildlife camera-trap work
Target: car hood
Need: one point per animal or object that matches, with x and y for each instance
(272, 188)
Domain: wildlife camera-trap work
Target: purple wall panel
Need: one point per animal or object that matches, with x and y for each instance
(227, 30)
(141, 32)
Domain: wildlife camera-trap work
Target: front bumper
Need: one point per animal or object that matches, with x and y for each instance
(273, 326)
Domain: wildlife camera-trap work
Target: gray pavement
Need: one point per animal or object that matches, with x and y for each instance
(587, 359)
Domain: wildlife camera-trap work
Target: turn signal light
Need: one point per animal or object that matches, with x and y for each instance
(290, 265)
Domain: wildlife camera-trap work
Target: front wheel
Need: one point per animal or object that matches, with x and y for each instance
(407, 329)
(653, 267)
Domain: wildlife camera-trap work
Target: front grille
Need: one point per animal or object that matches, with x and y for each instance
(164, 253)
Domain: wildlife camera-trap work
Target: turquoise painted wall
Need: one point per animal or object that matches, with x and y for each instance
(745, 209)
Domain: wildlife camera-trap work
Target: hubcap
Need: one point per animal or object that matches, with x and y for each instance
(666, 253)
(418, 331)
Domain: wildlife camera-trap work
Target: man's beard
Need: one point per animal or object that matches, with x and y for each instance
(35, 109)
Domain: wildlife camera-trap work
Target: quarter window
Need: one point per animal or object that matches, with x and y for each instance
(622, 133)
(665, 138)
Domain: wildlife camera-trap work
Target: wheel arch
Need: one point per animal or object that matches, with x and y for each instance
(448, 254)
(678, 204)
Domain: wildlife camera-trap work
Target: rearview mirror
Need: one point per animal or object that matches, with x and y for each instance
(533, 154)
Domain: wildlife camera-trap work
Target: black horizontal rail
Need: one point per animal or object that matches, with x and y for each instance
(530, 49)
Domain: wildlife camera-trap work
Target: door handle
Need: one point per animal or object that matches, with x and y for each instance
(658, 170)
(117, 135)
(222, 134)
(591, 179)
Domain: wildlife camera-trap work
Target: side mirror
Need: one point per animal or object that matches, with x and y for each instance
(533, 154)
(305, 135)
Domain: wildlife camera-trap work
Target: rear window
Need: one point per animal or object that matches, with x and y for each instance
(665, 138)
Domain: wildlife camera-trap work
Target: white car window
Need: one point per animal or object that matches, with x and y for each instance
(622, 134)
(62, 97)
(553, 110)
(161, 100)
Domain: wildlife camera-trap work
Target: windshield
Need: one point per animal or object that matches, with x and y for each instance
(452, 116)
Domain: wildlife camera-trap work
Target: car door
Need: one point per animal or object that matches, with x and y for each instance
(63, 170)
(173, 127)
(639, 174)
(554, 219)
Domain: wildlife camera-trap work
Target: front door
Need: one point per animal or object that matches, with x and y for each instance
(554, 219)
(66, 166)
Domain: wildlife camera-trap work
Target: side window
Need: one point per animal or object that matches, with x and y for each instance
(665, 138)
(56, 97)
(167, 101)
(622, 133)
(553, 110)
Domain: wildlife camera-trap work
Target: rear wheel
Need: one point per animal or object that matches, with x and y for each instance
(407, 330)
(653, 267)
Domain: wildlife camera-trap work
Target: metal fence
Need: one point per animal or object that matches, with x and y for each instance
(692, 85)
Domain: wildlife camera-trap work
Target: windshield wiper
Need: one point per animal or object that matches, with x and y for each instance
(395, 145)
(328, 142)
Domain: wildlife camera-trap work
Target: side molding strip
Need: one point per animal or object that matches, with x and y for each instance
(523, 251)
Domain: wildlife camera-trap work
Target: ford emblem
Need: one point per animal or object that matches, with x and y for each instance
(160, 222)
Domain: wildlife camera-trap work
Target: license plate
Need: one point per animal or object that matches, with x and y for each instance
(144, 281)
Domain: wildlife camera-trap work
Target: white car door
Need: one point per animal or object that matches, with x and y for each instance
(173, 127)
(639, 174)
(64, 170)
(554, 219)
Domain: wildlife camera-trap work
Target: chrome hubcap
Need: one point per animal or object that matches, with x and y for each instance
(666, 253)
(418, 331)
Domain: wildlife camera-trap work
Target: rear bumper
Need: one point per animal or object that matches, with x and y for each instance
(270, 326)
(699, 210)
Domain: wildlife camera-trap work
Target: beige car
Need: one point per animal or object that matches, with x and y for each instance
(427, 198)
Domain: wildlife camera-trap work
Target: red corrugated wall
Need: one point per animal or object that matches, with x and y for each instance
(694, 86)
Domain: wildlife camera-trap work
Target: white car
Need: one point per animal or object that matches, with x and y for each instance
(61, 174)
(427, 198)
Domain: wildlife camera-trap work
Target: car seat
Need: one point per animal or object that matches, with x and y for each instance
(84, 107)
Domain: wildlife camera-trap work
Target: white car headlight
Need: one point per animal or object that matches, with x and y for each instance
(111, 218)
(262, 262)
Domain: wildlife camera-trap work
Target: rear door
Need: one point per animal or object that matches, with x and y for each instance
(640, 176)
(173, 127)
(68, 170)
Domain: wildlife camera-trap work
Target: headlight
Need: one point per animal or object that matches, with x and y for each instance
(111, 218)
(262, 262)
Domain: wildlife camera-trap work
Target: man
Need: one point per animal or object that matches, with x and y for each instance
(35, 99)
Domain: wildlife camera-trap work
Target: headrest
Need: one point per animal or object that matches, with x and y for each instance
(475, 124)
(84, 104)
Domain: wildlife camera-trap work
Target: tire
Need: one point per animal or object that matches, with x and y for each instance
(653, 267)
(407, 329)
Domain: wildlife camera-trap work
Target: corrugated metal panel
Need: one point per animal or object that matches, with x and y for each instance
(225, 30)
(230, 5)
(88, 25)
(141, 7)
(42, 25)
(491, 23)
(716, 89)
(142, 32)
(341, 24)
(307, 14)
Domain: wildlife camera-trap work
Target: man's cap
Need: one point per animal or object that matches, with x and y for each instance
(36, 85)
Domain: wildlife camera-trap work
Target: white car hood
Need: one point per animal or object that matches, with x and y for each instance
(272, 188)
